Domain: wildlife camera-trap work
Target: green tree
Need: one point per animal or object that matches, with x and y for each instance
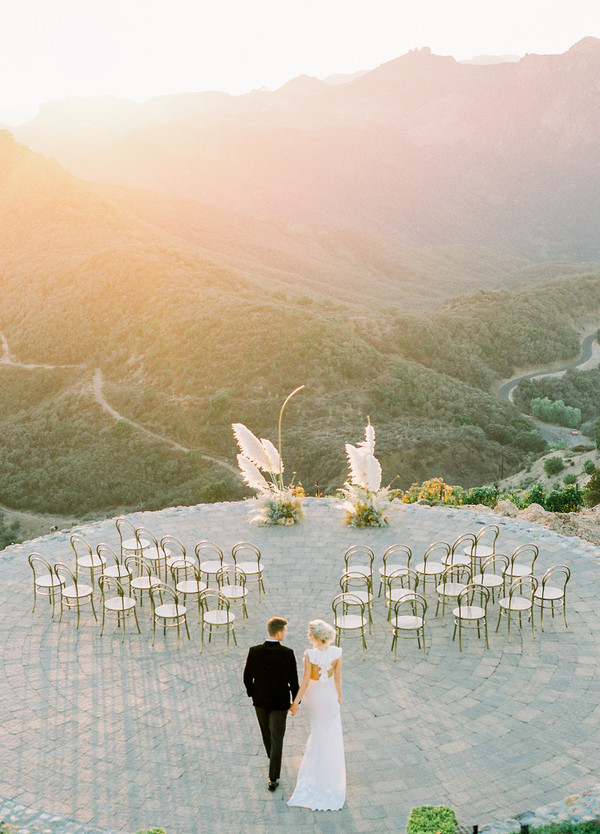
(554, 465)
(591, 492)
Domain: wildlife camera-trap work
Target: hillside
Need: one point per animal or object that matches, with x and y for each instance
(173, 307)
(423, 150)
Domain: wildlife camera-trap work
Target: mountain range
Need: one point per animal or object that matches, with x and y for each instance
(384, 240)
(423, 150)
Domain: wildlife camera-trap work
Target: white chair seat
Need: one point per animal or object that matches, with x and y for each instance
(143, 583)
(388, 570)
(407, 621)
(517, 572)
(93, 561)
(549, 593)
(400, 593)
(218, 617)
(132, 546)
(430, 569)
(233, 591)
(460, 561)
(363, 570)
(170, 611)
(210, 567)
(250, 568)
(515, 604)
(488, 580)
(469, 612)
(482, 551)
(77, 591)
(450, 589)
(48, 582)
(363, 596)
(117, 571)
(190, 586)
(180, 561)
(119, 604)
(350, 621)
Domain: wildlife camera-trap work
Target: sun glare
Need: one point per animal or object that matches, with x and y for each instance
(139, 50)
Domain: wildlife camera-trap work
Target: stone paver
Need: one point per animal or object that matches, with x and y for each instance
(125, 736)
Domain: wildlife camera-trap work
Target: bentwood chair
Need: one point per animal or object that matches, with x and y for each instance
(210, 559)
(453, 581)
(492, 573)
(552, 592)
(216, 614)
(174, 551)
(45, 581)
(127, 536)
(85, 558)
(434, 562)
(150, 549)
(74, 593)
(114, 565)
(399, 584)
(359, 559)
(349, 615)
(168, 610)
(461, 551)
(485, 545)
(188, 582)
(247, 556)
(231, 582)
(518, 601)
(520, 564)
(116, 602)
(471, 612)
(396, 558)
(142, 578)
(409, 616)
(359, 586)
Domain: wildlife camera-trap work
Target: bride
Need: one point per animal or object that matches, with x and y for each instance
(321, 783)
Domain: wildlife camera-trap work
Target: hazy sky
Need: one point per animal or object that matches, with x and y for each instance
(50, 49)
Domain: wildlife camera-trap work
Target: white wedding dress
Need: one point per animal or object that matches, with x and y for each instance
(321, 783)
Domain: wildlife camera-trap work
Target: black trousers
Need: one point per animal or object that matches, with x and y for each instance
(272, 727)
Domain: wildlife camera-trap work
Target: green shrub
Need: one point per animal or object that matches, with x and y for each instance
(429, 819)
(151, 831)
(591, 492)
(9, 533)
(552, 466)
(589, 466)
(568, 500)
(571, 478)
(536, 495)
(488, 496)
(592, 827)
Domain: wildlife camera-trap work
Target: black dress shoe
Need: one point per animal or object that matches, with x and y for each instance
(273, 784)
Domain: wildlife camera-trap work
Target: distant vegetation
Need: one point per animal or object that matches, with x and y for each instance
(563, 396)
(187, 346)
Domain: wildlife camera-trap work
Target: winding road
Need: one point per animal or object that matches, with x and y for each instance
(590, 357)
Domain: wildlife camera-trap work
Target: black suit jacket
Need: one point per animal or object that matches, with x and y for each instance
(271, 676)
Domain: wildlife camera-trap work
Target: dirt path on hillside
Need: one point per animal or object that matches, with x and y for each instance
(98, 389)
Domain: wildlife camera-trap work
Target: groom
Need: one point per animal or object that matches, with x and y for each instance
(271, 680)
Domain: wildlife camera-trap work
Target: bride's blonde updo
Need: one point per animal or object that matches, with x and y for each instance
(321, 631)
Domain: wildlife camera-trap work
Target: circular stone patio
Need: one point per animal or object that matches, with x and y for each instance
(125, 736)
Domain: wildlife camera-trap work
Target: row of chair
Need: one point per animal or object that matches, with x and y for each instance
(167, 602)
(456, 584)
(163, 555)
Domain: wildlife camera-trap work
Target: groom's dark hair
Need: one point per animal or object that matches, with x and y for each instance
(275, 625)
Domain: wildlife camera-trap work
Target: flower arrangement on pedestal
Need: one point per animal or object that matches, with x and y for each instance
(365, 501)
(278, 504)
